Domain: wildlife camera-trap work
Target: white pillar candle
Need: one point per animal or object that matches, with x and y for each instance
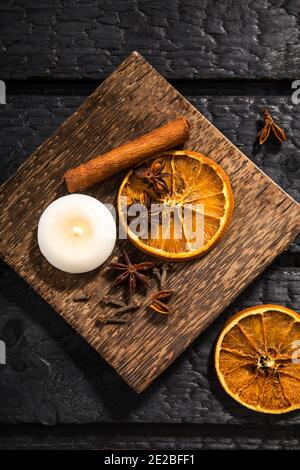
(76, 233)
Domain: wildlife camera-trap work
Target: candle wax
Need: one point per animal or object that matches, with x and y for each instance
(76, 233)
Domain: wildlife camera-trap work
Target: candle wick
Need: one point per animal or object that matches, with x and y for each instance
(77, 231)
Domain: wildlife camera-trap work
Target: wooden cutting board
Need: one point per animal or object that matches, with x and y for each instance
(133, 100)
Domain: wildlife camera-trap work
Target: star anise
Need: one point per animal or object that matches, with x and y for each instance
(131, 272)
(159, 302)
(269, 126)
(154, 175)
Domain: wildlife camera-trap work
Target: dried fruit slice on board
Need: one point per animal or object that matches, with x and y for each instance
(257, 358)
(180, 188)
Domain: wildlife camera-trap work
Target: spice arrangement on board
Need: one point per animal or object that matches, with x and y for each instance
(186, 190)
(253, 356)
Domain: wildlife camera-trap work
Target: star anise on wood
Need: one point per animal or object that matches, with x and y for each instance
(159, 302)
(155, 175)
(270, 126)
(131, 272)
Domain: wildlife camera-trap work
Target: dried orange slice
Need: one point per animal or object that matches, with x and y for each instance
(257, 361)
(185, 181)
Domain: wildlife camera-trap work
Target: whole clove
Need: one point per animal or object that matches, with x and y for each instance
(129, 308)
(110, 321)
(110, 300)
(81, 298)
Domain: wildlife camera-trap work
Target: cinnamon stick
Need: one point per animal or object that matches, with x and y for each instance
(126, 155)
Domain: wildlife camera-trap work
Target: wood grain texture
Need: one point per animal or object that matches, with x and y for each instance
(133, 100)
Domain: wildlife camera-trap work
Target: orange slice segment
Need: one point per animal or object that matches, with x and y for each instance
(257, 361)
(195, 202)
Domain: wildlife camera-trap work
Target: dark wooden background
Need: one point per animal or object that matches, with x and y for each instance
(229, 59)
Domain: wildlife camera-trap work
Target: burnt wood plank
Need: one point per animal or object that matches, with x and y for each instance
(133, 100)
(32, 114)
(53, 376)
(180, 436)
(182, 39)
